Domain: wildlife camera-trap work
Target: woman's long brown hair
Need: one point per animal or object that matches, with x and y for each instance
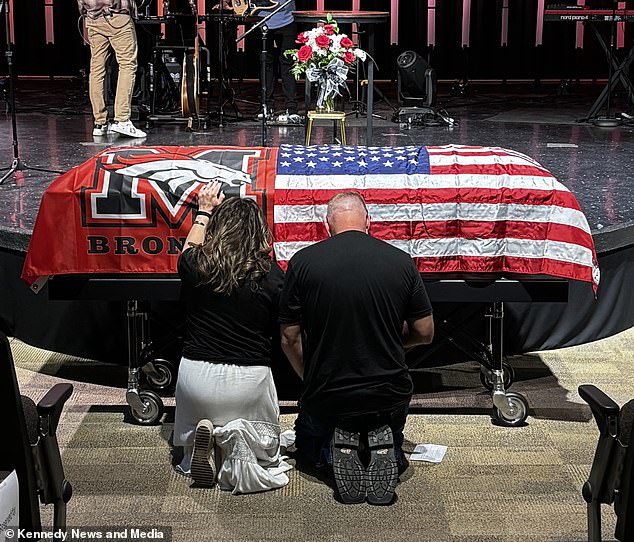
(237, 246)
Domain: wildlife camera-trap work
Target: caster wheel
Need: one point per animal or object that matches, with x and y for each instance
(487, 377)
(517, 413)
(152, 408)
(163, 375)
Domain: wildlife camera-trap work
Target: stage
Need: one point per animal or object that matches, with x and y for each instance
(54, 128)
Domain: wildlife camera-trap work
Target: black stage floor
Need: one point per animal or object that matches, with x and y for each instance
(55, 126)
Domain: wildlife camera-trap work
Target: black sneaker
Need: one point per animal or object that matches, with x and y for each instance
(349, 473)
(404, 465)
(382, 472)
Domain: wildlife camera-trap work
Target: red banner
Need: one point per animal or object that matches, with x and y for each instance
(128, 210)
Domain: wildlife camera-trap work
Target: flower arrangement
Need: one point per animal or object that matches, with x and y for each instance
(325, 55)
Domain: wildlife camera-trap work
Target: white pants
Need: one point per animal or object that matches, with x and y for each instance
(241, 402)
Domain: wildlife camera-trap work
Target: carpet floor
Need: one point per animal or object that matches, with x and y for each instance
(495, 484)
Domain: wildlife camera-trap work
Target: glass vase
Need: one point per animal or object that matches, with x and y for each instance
(328, 107)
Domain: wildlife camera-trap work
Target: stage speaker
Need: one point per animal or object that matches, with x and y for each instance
(417, 85)
(140, 93)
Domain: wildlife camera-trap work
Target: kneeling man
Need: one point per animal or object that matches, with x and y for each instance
(349, 306)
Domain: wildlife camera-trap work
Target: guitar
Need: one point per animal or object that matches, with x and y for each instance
(240, 7)
(190, 106)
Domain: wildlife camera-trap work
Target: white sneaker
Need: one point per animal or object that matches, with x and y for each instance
(259, 116)
(127, 129)
(101, 129)
(289, 118)
(203, 468)
(294, 118)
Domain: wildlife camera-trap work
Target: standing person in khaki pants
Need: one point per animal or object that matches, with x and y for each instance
(110, 25)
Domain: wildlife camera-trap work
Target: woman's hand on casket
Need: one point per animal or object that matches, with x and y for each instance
(210, 196)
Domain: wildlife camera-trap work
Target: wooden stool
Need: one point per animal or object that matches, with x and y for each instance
(334, 116)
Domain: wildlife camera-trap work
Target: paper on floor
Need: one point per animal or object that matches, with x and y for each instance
(432, 453)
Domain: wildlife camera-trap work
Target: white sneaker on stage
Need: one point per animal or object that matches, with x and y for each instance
(127, 129)
(101, 129)
(289, 118)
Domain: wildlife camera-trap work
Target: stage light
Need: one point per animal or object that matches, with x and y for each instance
(417, 88)
(416, 80)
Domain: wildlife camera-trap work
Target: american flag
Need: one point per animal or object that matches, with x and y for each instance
(453, 208)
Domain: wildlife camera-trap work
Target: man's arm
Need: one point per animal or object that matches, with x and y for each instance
(417, 332)
(292, 347)
(419, 322)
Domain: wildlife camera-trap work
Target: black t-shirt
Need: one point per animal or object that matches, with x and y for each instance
(351, 293)
(237, 328)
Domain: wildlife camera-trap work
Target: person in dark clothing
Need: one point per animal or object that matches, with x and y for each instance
(282, 33)
(225, 394)
(349, 306)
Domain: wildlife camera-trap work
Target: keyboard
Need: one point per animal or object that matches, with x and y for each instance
(573, 13)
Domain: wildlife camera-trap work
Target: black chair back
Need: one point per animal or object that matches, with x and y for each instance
(15, 453)
(612, 471)
(624, 499)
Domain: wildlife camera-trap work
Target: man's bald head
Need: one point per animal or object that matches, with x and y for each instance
(347, 211)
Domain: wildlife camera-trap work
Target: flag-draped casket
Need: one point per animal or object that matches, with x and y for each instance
(455, 209)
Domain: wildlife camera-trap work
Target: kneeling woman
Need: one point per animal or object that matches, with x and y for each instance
(225, 391)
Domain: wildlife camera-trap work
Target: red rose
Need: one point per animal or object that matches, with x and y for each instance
(323, 41)
(302, 38)
(304, 53)
(346, 43)
(349, 57)
(329, 29)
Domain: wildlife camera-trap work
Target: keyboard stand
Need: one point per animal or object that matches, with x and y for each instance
(619, 73)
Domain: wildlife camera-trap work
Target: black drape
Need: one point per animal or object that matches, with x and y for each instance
(484, 59)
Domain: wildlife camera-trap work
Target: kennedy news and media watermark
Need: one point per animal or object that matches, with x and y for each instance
(89, 534)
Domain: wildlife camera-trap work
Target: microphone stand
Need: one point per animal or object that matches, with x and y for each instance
(17, 164)
(265, 29)
(610, 121)
(221, 67)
